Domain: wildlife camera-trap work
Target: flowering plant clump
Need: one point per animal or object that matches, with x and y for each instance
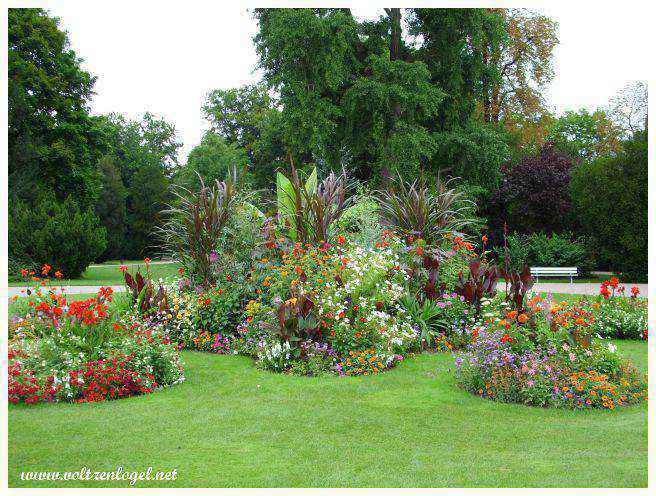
(617, 315)
(559, 377)
(366, 362)
(63, 350)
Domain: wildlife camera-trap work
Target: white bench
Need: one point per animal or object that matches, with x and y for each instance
(570, 272)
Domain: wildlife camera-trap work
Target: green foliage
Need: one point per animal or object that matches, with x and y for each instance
(53, 142)
(609, 199)
(60, 234)
(416, 211)
(475, 153)
(309, 211)
(586, 135)
(361, 221)
(542, 250)
(385, 114)
(110, 209)
(453, 47)
(145, 153)
(249, 121)
(212, 160)
(354, 94)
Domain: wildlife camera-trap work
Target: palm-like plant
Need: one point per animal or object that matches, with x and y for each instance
(197, 225)
(413, 209)
(309, 209)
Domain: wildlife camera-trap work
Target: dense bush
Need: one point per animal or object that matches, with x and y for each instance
(533, 195)
(56, 233)
(609, 197)
(542, 250)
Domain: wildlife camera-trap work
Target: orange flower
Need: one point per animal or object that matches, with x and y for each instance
(522, 318)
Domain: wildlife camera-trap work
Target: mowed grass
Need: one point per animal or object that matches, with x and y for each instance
(232, 425)
(110, 275)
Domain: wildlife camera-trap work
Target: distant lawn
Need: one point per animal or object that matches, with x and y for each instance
(232, 425)
(109, 274)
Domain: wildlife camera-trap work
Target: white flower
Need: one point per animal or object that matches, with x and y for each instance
(612, 348)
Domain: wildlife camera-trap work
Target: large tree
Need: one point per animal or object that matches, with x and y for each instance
(53, 142)
(145, 153)
(111, 209)
(211, 161)
(586, 135)
(524, 59)
(609, 197)
(360, 94)
(246, 118)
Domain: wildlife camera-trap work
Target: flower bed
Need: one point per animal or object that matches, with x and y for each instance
(78, 351)
(257, 286)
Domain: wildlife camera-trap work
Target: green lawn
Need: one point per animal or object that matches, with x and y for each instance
(232, 425)
(109, 274)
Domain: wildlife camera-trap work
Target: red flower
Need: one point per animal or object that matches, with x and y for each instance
(484, 239)
(59, 274)
(506, 339)
(123, 268)
(228, 278)
(340, 240)
(180, 271)
(147, 261)
(45, 269)
(24, 272)
(635, 291)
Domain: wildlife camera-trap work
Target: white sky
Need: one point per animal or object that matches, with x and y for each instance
(164, 57)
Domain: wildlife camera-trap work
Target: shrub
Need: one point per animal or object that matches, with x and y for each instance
(542, 250)
(609, 197)
(211, 231)
(362, 222)
(533, 195)
(414, 210)
(56, 233)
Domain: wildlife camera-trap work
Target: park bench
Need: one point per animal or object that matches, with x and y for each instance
(570, 272)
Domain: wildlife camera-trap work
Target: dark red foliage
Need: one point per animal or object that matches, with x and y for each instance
(481, 281)
(533, 195)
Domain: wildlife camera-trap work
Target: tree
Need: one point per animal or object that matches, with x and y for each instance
(586, 136)
(357, 94)
(213, 160)
(236, 114)
(628, 109)
(533, 195)
(54, 232)
(609, 197)
(145, 153)
(454, 47)
(524, 59)
(248, 118)
(111, 209)
(53, 142)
